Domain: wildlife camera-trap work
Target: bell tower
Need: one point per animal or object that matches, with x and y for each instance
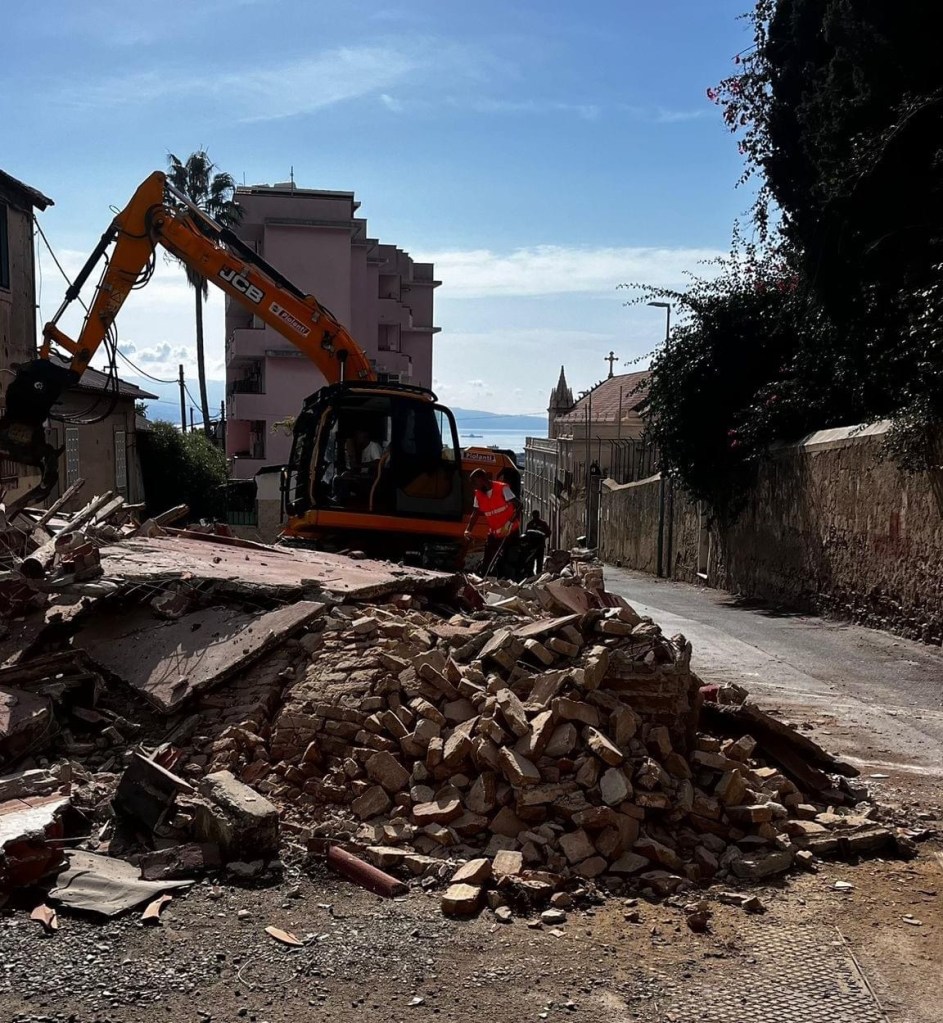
(561, 402)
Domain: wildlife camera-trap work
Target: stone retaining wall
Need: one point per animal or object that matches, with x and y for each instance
(830, 526)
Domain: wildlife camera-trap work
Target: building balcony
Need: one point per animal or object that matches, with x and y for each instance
(394, 363)
(247, 343)
(248, 405)
(391, 311)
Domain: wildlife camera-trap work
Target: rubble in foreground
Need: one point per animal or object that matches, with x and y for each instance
(511, 742)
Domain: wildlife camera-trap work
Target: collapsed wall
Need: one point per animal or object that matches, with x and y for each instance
(533, 736)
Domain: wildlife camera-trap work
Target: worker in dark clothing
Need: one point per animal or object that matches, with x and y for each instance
(536, 535)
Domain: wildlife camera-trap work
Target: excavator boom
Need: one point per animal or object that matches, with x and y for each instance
(160, 215)
(419, 495)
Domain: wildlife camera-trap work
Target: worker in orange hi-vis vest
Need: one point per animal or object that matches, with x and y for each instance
(502, 512)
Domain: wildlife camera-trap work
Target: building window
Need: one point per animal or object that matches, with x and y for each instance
(71, 454)
(257, 438)
(121, 463)
(388, 338)
(4, 248)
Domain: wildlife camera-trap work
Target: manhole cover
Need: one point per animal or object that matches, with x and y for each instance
(782, 975)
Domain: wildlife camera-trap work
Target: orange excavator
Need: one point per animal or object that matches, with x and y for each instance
(411, 501)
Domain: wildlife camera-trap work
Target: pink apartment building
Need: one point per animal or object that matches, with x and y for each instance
(385, 300)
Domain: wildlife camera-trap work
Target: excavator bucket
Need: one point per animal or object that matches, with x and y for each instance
(30, 397)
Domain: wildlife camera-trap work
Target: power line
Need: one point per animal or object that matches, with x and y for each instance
(55, 258)
(137, 369)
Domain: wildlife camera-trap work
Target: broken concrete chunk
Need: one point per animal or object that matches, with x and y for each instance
(629, 863)
(562, 741)
(754, 813)
(438, 811)
(147, 792)
(545, 689)
(538, 651)
(25, 719)
(371, 803)
(591, 867)
(731, 789)
(577, 846)
(517, 769)
(461, 900)
(566, 709)
(474, 872)
(241, 822)
(614, 787)
(513, 713)
(28, 783)
(507, 863)
(538, 737)
(757, 867)
(387, 771)
(602, 747)
(506, 822)
(482, 794)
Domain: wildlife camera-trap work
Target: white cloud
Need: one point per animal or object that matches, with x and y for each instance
(666, 115)
(163, 353)
(663, 116)
(155, 325)
(265, 93)
(391, 103)
(559, 270)
(587, 111)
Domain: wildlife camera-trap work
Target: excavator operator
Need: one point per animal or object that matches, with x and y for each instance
(502, 512)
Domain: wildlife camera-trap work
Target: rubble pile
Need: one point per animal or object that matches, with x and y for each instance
(46, 551)
(539, 748)
(505, 742)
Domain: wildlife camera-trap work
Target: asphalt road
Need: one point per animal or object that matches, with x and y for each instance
(871, 696)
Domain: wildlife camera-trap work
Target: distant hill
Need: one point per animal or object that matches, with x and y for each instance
(479, 421)
(167, 407)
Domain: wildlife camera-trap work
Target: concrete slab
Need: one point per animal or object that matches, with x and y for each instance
(258, 571)
(24, 719)
(30, 830)
(168, 662)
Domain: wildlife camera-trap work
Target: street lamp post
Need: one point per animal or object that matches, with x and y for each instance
(667, 307)
(663, 556)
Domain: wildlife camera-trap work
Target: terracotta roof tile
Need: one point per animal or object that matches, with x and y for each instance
(605, 399)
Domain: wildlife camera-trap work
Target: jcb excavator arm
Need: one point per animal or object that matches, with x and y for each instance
(159, 214)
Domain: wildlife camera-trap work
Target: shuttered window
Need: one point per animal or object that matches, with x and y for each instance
(121, 463)
(71, 454)
(4, 248)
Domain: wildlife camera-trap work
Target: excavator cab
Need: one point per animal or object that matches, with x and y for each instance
(373, 463)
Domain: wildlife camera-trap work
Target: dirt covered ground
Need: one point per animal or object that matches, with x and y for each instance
(364, 957)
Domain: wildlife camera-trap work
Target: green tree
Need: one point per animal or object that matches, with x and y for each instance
(212, 191)
(753, 359)
(183, 468)
(839, 106)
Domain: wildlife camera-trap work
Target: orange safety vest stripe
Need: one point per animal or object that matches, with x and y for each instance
(495, 506)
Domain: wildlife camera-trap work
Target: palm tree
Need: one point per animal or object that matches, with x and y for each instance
(213, 193)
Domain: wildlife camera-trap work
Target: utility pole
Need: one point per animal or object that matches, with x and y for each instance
(191, 420)
(183, 402)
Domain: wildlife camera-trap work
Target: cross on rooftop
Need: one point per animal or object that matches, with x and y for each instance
(611, 358)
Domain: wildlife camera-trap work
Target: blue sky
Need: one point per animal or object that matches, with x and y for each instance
(540, 151)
